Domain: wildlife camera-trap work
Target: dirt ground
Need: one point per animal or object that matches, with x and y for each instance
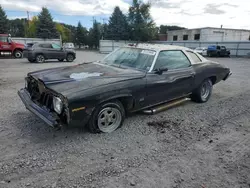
(190, 146)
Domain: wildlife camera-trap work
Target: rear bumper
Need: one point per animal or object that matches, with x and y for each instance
(40, 112)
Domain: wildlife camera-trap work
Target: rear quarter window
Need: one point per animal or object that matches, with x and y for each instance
(194, 57)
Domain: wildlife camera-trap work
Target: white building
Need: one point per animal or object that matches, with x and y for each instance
(209, 34)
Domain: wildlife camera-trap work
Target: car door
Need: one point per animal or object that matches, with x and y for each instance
(57, 52)
(5, 46)
(45, 48)
(175, 82)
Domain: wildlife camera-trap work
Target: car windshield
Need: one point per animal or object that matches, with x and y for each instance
(135, 58)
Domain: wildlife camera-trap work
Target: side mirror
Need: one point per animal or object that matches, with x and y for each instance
(161, 70)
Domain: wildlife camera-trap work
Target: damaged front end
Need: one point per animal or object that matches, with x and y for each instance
(49, 106)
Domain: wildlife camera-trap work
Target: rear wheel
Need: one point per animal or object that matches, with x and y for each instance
(61, 60)
(107, 117)
(40, 58)
(70, 57)
(18, 54)
(203, 92)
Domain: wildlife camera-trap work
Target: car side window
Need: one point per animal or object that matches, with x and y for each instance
(3, 39)
(172, 59)
(55, 46)
(194, 57)
(45, 45)
(218, 48)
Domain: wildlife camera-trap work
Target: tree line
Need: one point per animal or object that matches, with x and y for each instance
(136, 25)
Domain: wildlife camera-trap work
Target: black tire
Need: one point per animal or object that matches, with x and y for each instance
(40, 58)
(95, 123)
(18, 54)
(61, 60)
(203, 92)
(209, 54)
(70, 58)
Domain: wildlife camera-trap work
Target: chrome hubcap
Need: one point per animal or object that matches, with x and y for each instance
(205, 90)
(109, 119)
(40, 58)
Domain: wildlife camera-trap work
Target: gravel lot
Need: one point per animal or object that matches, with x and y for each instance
(193, 145)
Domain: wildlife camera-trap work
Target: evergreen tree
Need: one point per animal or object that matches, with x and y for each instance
(95, 35)
(3, 21)
(81, 33)
(142, 27)
(46, 27)
(17, 27)
(118, 26)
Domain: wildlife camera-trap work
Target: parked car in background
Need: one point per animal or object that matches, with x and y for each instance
(201, 50)
(147, 78)
(40, 52)
(68, 45)
(9, 47)
(218, 51)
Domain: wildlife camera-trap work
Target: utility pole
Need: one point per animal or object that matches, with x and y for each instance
(93, 20)
(28, 17)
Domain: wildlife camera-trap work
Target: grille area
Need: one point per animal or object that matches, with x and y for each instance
(33, 88)
(46, 99)
(40, 96)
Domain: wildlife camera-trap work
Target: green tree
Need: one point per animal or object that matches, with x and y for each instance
(80, 36)
(3, 21)
(46, 27)
(17, 27)
(64, 32)
(165, 28)
(142, 27)
(118, 26)
(94, 35)
(32, 27)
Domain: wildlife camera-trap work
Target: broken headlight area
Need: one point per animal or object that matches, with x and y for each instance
(57, 104)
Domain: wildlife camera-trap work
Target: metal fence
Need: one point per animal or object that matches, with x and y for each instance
(107, 46)
(237, 48)
(31, 40)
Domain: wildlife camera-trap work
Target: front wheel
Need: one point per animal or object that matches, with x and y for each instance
(40, 58)
(18, 54)
(107, 117)
(70, 58)
(203, 92)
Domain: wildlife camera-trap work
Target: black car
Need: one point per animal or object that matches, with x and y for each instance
(218, 51)
(130, 79)
(39, 52)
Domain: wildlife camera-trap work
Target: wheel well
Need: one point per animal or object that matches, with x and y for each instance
(213, 79)
(39, 54)
(127, 102)
(70, 53)
(18, 49)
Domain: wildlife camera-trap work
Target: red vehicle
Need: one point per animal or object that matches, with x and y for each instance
(9, 47)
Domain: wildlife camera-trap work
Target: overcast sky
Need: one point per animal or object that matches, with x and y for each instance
(186, 13)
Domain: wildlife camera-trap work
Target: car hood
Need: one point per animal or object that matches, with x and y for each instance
(70, 79)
